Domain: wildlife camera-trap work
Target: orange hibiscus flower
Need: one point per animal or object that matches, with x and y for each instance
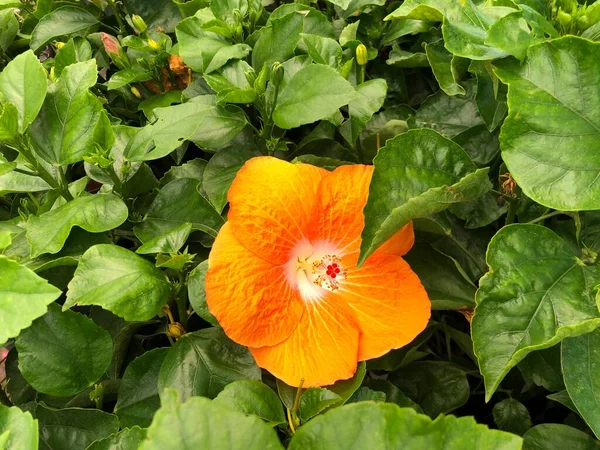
(282, 276)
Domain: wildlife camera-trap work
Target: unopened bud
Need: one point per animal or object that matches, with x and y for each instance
(52, 75)
(60, 45)
(111, 44)
(564, 18)
(135, 91)
(260, 83)
(139, 23)
(362, 55)
(153, 44)
(176, 330)
(276, 74)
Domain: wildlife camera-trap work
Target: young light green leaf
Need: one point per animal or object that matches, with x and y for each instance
(138, 397)
(580, 357)
(417, 174)
(278, 40)
(24, 296)
(62, 21)
(197, 293)
(119, 281)
(383, 426)
(536, 294)
(94, 213)
(63, 353)
(9, 122)
(73, 427)
(202, 423)
(128, 76)
(323, 50)
(315, 92)
(18, 429)
(253, 397)
(561, 112)
(177, 203)
(128, 439)
(65, 130)
(170, 242)
(23, 83)
(9, 26)
(204, 362)
(511, 34)
(74, 51)
(443, 65)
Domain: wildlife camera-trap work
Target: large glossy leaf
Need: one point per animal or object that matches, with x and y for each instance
(66, 128)
(119, 281)
(177, 203)
(74, 51)
(73, 428)
(203, 424)
(437, 387)
(204, 362)
(253, 397)
(128, 439)
(580, 363)
(371, 97)
(315, 92)
(23, 83)
(94, 213)
(551, 137)
(554, 436)
(417, 174)
(464, 25)
(384, 426)
(24, 296)
(18, 429)
(536, 294)
(157, 14)
(62, 21)
(138, 398)
(63, 353)
(200, 120)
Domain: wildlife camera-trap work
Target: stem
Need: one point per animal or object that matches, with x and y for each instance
(546, 216)
(111, 3)
(512, 212)
(27, 172)
(290, 421)
(34, 200)
(297, 399)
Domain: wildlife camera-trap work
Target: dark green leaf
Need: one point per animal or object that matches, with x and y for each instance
(128, 76)
(491, 94)
(9, 26)
(62, 21)
(536, 294)
(170, 242)
(278, 40)
(63, 353)
(554, 436)
(74, 51)
(416, 174)
(512, 416)
(156, 13)
(371, 97)
(393, 394)
(441, 62)
(24, 296)
(119, 281)
(138, 398)
(315, 400)
(542, 368)
(364, 394)
(563, 398)
(204, 362)
(253, 397)
(197, 293)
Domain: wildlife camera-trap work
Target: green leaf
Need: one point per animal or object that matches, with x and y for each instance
(417, 174)
(558, 113)
(364, 394)
(74, 51)
(464, 25)
(220, 172)
(197, 293)
(345, 388)
(204, 362)
(73, 428)
(156, 13)
(231, 84)
(191, 169)
(23, 83)
(177, 203)
(128, 76)
(205, 51)
(554, 436)
(512, 35)
(65, 130)
(119, 281)
(384, 426)
(323, 50)
(314, 400)
(403, 27)
(62, 21)
(402, 58)
(204, 424)
(491, 94)
(199, 120)
(24, 296)
(63, 353)
(315, 92)
(9, 124)
(94, 213)
(138, 397)
(277, 40)
(542, 368)
(443, 65)
(371, 97)
(563, 398)
(437, 387)
(170, 242)
(9, 26)
(580, 358)
(536, 294)
(512, 416)
(18, 428)
(253, 397)
(128, 439)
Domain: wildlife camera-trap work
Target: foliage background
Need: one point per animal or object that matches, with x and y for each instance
(118, 144)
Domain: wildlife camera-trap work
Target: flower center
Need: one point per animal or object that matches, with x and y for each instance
(315, 269)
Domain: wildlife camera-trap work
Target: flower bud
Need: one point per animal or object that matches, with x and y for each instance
(564, 18)
(176, 330)
(260, 83)
(59, 45)
(135, 91)
(139, 23)
(362, 55)
(111, 44)
(153, 44)
(276, 74)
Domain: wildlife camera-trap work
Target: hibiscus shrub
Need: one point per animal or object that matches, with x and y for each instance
(334, 224)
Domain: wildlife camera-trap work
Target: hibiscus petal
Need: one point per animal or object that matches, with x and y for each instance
(386, 300)
(271, 202)
(338, 217)
(322, 350)
(249, 296)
